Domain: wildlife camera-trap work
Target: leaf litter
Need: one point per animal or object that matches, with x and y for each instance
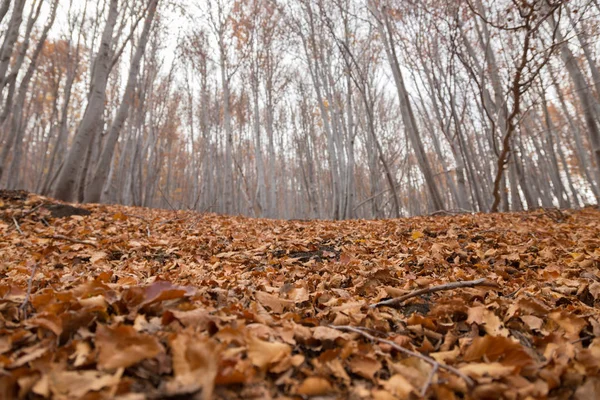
(103, 302)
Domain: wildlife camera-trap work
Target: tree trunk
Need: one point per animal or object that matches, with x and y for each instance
(586, 98)
(16, 133)
(93, 191)
(410, 123)
(91, 121)
(10, 38)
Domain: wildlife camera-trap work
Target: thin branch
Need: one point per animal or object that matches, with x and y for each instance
(435, 364)
(454, 211)
(429, 380)
(447, 286)
(17, 226)
(23, 306)
(61, 237)
(32, 210)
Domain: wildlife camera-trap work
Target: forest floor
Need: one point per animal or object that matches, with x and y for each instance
(134, 303)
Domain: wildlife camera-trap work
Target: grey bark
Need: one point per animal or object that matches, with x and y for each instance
(90, 123)
(386, 33)
(10, 38)
(93, 191)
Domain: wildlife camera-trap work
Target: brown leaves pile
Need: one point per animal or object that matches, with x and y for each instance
(131, 303)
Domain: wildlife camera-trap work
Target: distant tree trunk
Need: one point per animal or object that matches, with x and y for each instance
(386, 33)
(228, 167)
(91, 121)
(261, 187)
(586, 98)
(10, 80)
(10, 38)
(93, 191)
(582, 158)
(4, 6)
(16, 133)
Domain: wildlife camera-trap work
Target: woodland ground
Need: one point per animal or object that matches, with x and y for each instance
(137, 303)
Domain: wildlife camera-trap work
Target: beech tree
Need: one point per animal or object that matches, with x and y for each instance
(309, 109)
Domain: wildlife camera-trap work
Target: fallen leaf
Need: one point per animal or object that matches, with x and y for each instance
(399, 386)
(195, 365)
(364, 366)
(264, 354)
(493, 369)
(275, 303)
(76, 384)
(121, 346)
(314, 386)
(490, 321)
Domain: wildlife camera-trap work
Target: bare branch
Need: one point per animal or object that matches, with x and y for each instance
(396, 346)
(447, 286)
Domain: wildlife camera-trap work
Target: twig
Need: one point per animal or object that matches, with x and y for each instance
(61, 237)
(17, 226)
(435, 364)
(165, 198)
(429, 380)
(582, 339)
(447, 286)
(23, 306)
(32, 210)
(454, 211)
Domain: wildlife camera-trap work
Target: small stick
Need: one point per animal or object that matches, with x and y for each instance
(32, 210)
(429, 380)
(17, 226)
(61, 237)
(451, 212)
(23, 306)
(410, 353)
(447, 286)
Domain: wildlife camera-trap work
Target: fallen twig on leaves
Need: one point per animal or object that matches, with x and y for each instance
(32, 210)
(23, 306)
(61, 237)
(447, 286)
(435, 364)
(17, 226)
(454, 211)
(427, 384)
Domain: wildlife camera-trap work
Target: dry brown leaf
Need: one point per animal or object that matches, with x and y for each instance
(364, 366)
(275, 303)
(264, 354)
(399, 386)
(572, 324)
(76, 384)
(195, 365)
(492, 369)
(490, 321)
(314, 386)
(324, 333)
(121, 346)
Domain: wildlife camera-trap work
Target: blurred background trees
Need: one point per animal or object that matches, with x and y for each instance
(303, 109)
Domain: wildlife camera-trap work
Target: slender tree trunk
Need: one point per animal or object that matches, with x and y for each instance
(91, 121)
(261, 186)
(588, 102)
(93, 191)
(386, 33)
(16, 134)
(10, 38)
